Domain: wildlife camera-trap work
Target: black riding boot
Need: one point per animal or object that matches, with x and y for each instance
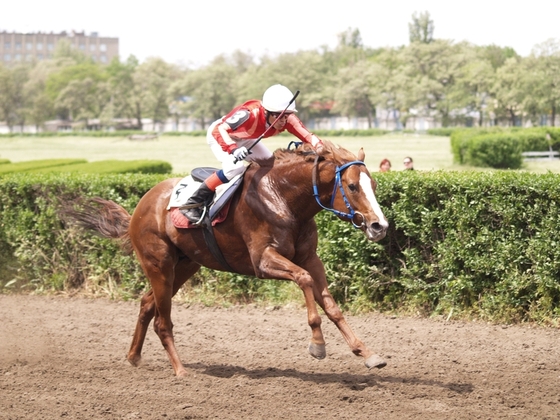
(195, 204)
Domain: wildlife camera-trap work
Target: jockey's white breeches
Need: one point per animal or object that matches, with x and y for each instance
(230, 169)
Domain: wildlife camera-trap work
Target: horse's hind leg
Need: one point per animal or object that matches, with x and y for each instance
(325, 300)
(147, 310)
(183, 271)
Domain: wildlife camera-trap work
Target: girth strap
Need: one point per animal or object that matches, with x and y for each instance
(211, 243)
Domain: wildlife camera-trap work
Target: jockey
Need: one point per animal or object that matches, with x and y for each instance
(231, 136)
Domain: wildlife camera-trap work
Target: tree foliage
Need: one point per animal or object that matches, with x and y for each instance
(452, 83)
(421, 29)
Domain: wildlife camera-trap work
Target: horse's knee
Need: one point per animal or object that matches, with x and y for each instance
(304, 281)
(314, 321)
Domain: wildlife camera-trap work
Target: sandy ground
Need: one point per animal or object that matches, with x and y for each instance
(64, 357)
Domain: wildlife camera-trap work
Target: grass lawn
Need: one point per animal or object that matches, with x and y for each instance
(185, 153)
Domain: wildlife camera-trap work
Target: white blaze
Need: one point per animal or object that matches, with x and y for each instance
(365, 183)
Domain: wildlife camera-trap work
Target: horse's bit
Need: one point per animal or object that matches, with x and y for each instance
(351, 215)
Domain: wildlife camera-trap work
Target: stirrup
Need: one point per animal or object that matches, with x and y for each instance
(202, 216)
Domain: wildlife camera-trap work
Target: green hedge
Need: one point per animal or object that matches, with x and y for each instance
(47, 256)
(83, 166)
(501, 147)
(114, 167)
(100, 133)
(443, 131)
(478, 245)
(31, 165)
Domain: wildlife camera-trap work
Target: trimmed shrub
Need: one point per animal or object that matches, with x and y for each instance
(100, 133)
(37, 164)
(52, 256)
(501, 151)
(478, 244)
(460, 141)
(443, 131)
(501, 147)
(114, 167)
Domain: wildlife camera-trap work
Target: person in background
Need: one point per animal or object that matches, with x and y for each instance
(408, 164)
(231, 137)
(385, 165)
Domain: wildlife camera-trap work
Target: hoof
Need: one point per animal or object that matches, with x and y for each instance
(182, 373)
(318, 351)
(134, 360)
(375, 361)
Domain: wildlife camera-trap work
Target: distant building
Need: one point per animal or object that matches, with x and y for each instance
(16, 47)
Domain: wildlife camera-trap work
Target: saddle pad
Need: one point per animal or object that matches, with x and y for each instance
(180, 221)
(187, 186)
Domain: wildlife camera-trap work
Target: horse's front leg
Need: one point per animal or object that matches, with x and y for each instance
(324, 298)
(273, 265)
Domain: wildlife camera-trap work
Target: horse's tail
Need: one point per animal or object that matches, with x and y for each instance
(105, 217)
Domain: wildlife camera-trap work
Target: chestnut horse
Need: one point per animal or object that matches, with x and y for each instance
(269, 232)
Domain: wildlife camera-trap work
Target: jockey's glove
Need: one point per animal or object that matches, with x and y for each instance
(240, 153)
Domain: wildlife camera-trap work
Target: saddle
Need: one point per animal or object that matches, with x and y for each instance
(214, 213)
(216, 210)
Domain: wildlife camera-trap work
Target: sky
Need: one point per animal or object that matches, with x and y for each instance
(192, 33)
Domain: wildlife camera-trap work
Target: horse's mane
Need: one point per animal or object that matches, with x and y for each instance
(330, 152)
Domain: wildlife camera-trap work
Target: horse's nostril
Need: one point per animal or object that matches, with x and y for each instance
(376, 227)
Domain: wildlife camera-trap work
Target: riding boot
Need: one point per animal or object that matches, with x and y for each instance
(194, 207)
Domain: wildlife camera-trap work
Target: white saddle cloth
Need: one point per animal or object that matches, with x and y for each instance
(186, 187)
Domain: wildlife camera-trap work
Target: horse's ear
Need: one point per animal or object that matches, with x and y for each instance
(361, 154)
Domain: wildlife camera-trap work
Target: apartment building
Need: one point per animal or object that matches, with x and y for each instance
(16, 47)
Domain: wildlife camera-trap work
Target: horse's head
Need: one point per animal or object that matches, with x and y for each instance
(353, 195)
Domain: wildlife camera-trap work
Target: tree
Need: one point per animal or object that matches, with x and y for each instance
(508, 92)
(304, 71)
(392, 85)
(38, 106)
(152, 79)
(350, 38)
(435, 68)
(84, 99)
(496, 55)
(353, 93)
(58, 82)
(421, 29)
(12, 94)
(474, 86)
(125, 96)
(211, 91)
(544, 86)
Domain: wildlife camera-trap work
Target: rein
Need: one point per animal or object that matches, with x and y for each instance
(338, 184)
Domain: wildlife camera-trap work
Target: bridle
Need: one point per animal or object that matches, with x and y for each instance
(351, 215)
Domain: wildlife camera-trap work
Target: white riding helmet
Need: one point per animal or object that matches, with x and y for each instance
(277, 97)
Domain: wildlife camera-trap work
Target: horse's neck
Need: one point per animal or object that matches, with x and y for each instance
(298, 187)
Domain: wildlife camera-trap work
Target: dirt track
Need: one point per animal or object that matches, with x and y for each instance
(64, 358)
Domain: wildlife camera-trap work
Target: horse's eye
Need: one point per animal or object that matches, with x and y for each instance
(352, 187)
